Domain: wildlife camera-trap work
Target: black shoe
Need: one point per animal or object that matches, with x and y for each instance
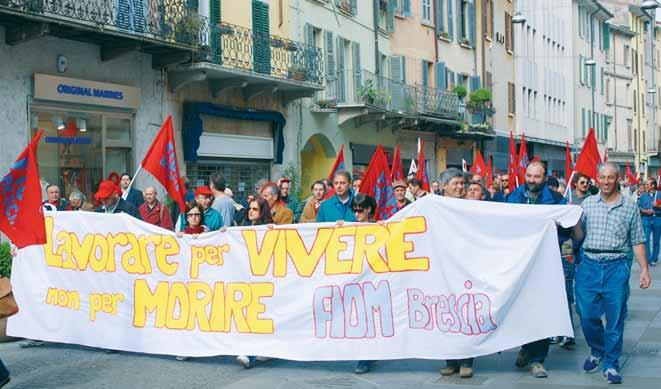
(4, 374)
(568, 343)
(522, 359)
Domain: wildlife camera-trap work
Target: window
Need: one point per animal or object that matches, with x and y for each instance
(635, 100)
(626, 55)
(509, 39)
(464, 21)
(349, 6)
(635, 140)
(426, 11)
(511, 98)
(608, 86)
(487, 13)
(629, 143)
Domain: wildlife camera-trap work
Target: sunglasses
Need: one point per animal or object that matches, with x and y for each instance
(358, 210)
(582, 183)
(194, 214)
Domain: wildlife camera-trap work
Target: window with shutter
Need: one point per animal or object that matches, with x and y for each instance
(450, 19)
(341, 76)
(472, 28)
(354, 6)
(508, 32)
(580, 69)
(331, 74)
(406, 7)
(511, 98)
(439, 17)
(261, 37)
(583, 121)
(216, 37)
(398, 75)
(390, 16)
(441, 76)
(357, 81)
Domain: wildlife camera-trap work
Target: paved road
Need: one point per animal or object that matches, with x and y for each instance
(66, 366)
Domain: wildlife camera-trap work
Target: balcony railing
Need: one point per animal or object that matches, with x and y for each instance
(166, 20)
(364, 87)
(244, 49)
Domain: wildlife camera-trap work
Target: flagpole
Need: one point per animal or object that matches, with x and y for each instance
(134, 176)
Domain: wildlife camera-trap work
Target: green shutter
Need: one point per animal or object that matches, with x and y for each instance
(472, 24)
(583, 121)
(606, 36)
(354, 6)
(406, 8)
(450, 20)
(330, 57)
(356, 65)
(580, 68)
(390, 16)
(341, 77)
(441, 76)
(216, 37)
(593, 77)
(438, 16)
(261, 37)
(602, 81)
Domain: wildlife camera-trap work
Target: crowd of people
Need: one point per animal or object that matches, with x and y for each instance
(620, 221)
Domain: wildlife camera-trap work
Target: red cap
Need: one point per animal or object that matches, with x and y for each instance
(203, 190)
(106, 189)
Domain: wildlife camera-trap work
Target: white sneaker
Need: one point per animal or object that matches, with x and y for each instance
(244, 361)
(182, 358)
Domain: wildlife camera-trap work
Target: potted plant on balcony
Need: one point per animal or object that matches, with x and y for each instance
(329, 103)
(444, 35)
(298, 72)
(460, 91)
(466, 42)
(383, 98)
(367, 92)
(345, 5)
(409, 103)
(187, 29)
(480, 101)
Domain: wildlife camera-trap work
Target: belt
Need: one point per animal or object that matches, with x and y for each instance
(595, 251)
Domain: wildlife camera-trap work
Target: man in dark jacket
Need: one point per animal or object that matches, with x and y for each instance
(110, 197)
(131, 195)
(535, 192)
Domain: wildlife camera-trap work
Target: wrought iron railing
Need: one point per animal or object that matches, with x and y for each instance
(168, 20)
(365, 87)
(244, 49)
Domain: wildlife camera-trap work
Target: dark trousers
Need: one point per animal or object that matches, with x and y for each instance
(4, 373)
(537, 351)
(460, 362)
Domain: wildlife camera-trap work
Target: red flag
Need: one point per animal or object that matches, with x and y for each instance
(513, 166)
(337, 166)
(397, 170)
(569, 163)
(377, 183)
(489, 179)
(536, 159)
(523, 159)
(421, 174)
(479, 167)
(161, 162)
(632, 178)
(589, 158)
(21, 214)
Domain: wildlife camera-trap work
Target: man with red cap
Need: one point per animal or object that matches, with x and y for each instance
(212, 218)
(110, 196)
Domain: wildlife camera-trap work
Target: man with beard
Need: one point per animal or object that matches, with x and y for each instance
(536, 192)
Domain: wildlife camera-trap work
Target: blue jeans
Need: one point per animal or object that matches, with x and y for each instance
(569, 269)
(603, 288)
(652, 229)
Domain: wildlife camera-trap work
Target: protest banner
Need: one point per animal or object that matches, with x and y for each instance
(443, 278)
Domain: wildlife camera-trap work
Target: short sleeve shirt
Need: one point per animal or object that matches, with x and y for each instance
(613, 228)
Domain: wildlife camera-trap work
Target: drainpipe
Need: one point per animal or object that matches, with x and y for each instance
(377, 65)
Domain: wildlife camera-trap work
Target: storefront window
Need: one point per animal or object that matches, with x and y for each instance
(72, 151)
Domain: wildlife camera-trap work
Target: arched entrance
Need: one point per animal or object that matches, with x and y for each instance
(317, 158)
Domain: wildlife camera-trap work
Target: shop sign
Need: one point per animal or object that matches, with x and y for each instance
(68, 140)
(71, 90)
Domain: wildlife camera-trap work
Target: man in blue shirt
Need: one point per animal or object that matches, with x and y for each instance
(338, 207)
(649, 204)
(535, 191)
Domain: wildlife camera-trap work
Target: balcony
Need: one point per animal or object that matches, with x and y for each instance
(365, 96)
(477, 122)
(167, 29)
(234, 57)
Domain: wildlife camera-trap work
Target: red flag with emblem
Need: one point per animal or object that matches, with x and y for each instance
(513, 166)
(479, 167)
(489, 179)
(377, 183)
(523, 159)
(422, 174)
(337, 166)
(21, 214)
(161, 162)
(397, 170)
(589, 159)
(569, 163)
(632, 178)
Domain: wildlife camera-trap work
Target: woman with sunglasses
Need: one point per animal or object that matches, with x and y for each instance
(259, 213)
(194, 223)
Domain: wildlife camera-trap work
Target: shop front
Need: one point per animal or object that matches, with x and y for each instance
(88, 131)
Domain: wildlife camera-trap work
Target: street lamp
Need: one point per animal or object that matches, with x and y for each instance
(518, 18)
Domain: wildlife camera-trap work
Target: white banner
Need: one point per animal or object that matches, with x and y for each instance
(442, 279)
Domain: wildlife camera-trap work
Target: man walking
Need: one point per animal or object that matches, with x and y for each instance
(612, 226)
(154, 212)
(222, 202)
(581, 184)
(650, 209)
(131, 195)
(281, 214)
(536, 192)
(338, 207)
(110, 197)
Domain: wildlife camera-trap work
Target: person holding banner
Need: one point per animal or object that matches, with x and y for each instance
(536, 192)
(338, 207)
(212, 218)
(399, 191)
(612, 227)
(110, 197)
(279, 211)
(415, 187)
(155, 212)
(130, 194)
(452, 185)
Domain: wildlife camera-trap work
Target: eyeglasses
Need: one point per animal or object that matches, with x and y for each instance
(196, 214)
(358, 210)
(254, 209)
(582, 183)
